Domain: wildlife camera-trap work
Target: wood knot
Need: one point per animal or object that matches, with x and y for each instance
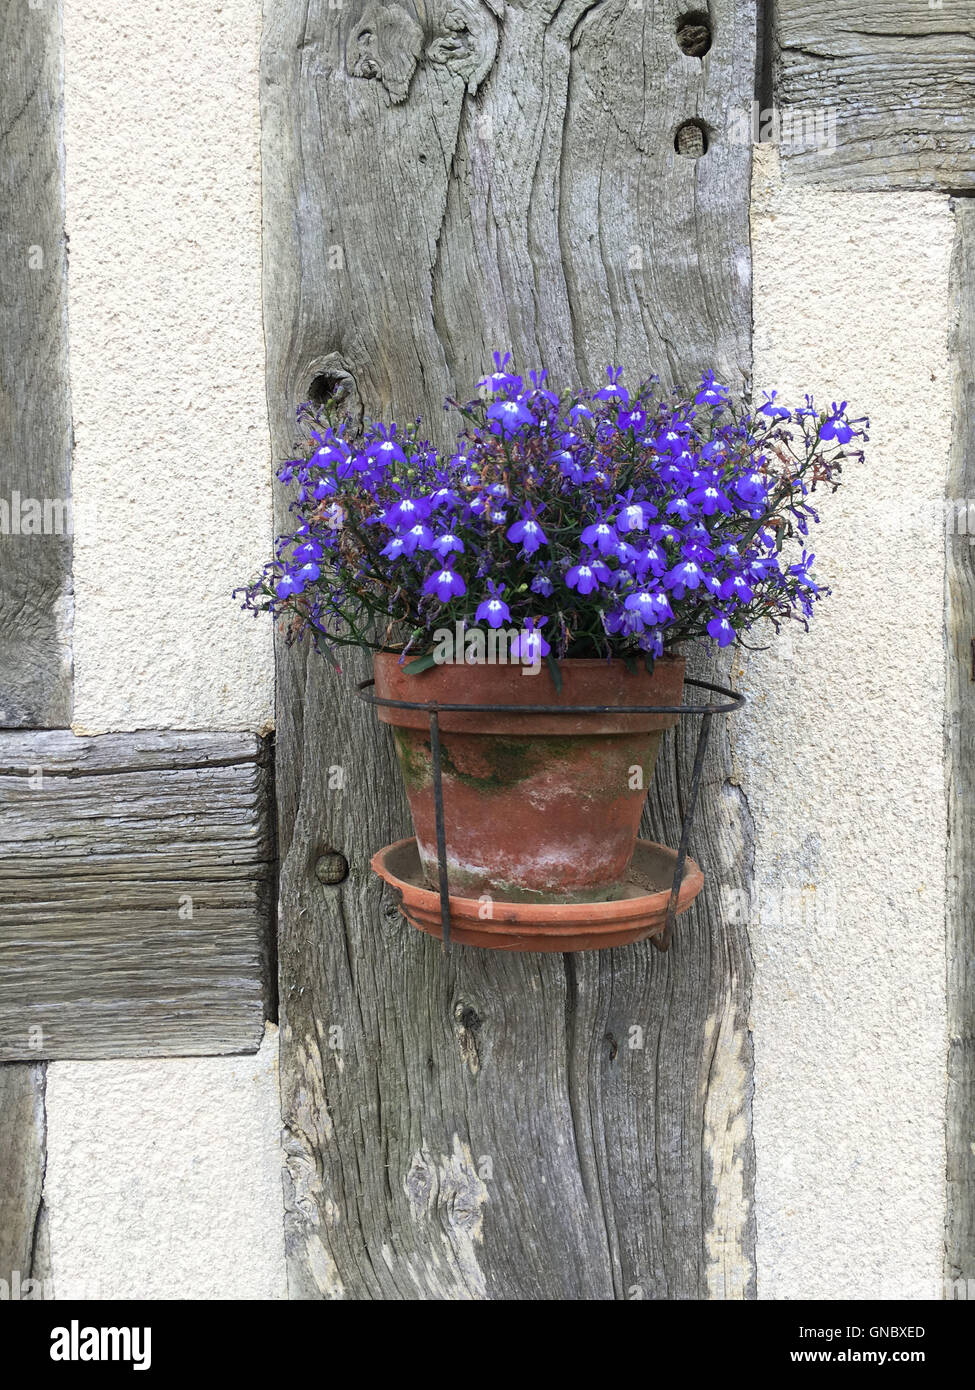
(331, 867)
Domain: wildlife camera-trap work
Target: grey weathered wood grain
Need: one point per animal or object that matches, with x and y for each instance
(478, 1125)
(35, 413)
(960, 758)
(900, 77)
(23, 1142)
(107, 844)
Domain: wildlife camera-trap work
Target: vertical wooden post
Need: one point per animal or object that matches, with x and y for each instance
(960, 620)
(438, 182)
(35, 409)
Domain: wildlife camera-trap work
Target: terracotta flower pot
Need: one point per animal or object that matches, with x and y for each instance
(537, 807)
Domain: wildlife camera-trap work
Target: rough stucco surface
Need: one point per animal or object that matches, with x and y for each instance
(164, 1178)
(841, 758)
(171, 465)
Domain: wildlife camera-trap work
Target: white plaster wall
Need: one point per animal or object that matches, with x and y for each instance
(171, 463)
(841, 759)
(164, 1178)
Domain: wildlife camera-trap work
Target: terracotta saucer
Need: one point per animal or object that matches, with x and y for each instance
(639, 911)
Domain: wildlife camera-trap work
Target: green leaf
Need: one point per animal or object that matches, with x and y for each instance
(555, 673)
(421, 663)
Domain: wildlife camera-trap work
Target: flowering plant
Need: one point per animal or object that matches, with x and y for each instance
(615, 522)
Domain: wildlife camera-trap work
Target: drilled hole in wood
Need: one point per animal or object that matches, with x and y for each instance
(328, 388)
(694, 33)
(691, 140)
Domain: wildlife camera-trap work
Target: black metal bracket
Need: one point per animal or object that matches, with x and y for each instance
(435, 708)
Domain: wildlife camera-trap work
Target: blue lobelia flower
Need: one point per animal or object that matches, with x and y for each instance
(721, 630)
(446, 584)
(418, 537)
(509, 416)
(602, 535)
(493, 611)
(836, 428)
(773, 411)
(710, 497)
(384, 449)
(308, 550)
(613, 391)
(501, 379)
(652, 606)
(527, 530)
(587, 577)
(289, 585)
(711, 392)
(736, 586)
(444, 544)
(407, 511)
(687, 574)
(529, 646)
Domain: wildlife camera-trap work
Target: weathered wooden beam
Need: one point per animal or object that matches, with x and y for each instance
(35, 411)
(960, 757)
(439, 182)
(876, 95)
(136, 883)
(22, 1158)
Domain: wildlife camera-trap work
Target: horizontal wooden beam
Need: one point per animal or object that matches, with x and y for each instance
(136, 891)
(897, 75)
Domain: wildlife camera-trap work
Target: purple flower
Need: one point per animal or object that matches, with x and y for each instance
(444, 544)
(773, 411)
(685, 575)
(721, 630)
(501, 379)
(652, 606)
(613, 391)
(752, 488)
(418, 537)
(836, 427)
(528, 531)
(406, 512)
(633, 516)
(587, 577)
(710, 498)
(602, 535)
(711, 393)
(509, 416)
(384, 449)
(289, 585)
(738, 588)
(446, 584)
(493, 611)
(529, 646)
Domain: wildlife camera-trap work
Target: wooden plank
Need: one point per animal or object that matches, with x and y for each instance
(960, 756)
(899, 77)
(35, 411)
(136, 886)
(438, 184)
(22, 1157)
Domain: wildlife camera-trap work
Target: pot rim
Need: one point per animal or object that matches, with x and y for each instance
(587, 682)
